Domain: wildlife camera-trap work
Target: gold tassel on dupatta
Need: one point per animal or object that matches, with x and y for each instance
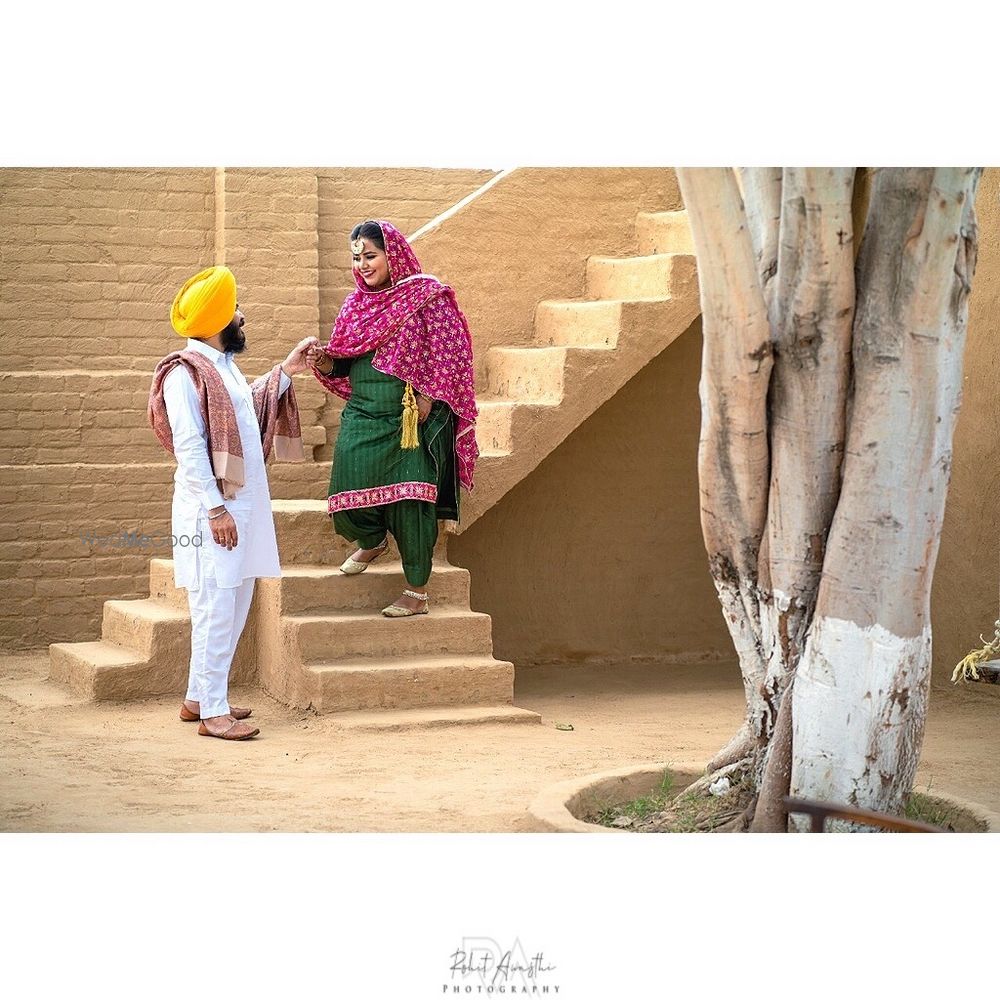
(410, 419)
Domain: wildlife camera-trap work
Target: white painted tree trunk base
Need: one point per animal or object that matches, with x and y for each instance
(858, 708)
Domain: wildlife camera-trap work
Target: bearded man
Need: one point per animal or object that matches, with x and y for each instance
(221, 430)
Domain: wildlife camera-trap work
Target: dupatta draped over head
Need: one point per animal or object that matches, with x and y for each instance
(418, 334)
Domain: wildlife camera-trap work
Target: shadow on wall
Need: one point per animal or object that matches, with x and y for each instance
(598, 555)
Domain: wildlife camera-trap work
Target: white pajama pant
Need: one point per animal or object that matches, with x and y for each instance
(218, 615)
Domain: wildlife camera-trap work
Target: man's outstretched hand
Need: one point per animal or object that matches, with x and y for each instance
(296, 362)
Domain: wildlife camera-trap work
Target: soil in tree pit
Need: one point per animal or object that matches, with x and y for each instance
(669, 810)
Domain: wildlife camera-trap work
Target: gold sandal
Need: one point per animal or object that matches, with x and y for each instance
(350, 565)
(395, 611)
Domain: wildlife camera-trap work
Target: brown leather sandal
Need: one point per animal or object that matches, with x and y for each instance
(237, 731)
(237, 713)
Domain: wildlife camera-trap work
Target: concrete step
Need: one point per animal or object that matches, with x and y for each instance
(317, 589)
(664, 232)
(431, 718)
(532, 374)
(634, 278)
(368, 635)
(578, 324)
(411, 681)
(146, 626)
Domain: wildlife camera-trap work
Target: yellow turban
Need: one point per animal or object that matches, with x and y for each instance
(206, 304)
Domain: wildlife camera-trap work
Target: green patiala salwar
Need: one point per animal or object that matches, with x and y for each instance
(376, 485)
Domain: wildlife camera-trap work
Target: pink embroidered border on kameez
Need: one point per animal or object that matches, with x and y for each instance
(378, 495)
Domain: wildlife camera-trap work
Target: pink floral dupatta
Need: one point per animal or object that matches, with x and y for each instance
(418, 334)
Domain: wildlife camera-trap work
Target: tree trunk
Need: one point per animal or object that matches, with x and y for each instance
(813, 313)
(861, 692)
(822, 581)
(732, 450)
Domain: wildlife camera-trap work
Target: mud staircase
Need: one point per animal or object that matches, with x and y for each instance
(585, 350)
(315, 638)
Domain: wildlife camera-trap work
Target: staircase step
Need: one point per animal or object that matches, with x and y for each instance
(290, 480)
(526, 373)
(591, 377)
(429, 718)
(369, 635)
(517, 432)
(325, 588)
(84, 665)
(578, 323)
(161, 585)
(102, 671)
(306, 536)
(310, 589)
(147, 625)
(411, 681)
(664, 232)
(633, 278)
(493, 426)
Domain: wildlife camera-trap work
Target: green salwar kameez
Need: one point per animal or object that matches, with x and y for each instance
(376, 485)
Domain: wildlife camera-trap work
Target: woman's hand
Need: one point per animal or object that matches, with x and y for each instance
(319, 359)
(296, 362)
(423, 408)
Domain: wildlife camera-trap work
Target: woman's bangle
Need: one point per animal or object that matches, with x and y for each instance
(212, 517)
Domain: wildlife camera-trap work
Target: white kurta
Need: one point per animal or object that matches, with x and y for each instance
(196, 490)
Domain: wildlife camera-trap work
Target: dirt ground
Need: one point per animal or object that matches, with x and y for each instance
(74, 766)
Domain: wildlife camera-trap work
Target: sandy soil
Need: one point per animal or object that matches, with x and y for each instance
(69, 765)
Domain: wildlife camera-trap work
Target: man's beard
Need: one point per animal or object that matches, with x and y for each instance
(234, 340)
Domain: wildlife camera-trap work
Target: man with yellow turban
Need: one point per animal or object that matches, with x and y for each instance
(221, 430)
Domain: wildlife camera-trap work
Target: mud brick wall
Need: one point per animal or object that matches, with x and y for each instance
(88, 258)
